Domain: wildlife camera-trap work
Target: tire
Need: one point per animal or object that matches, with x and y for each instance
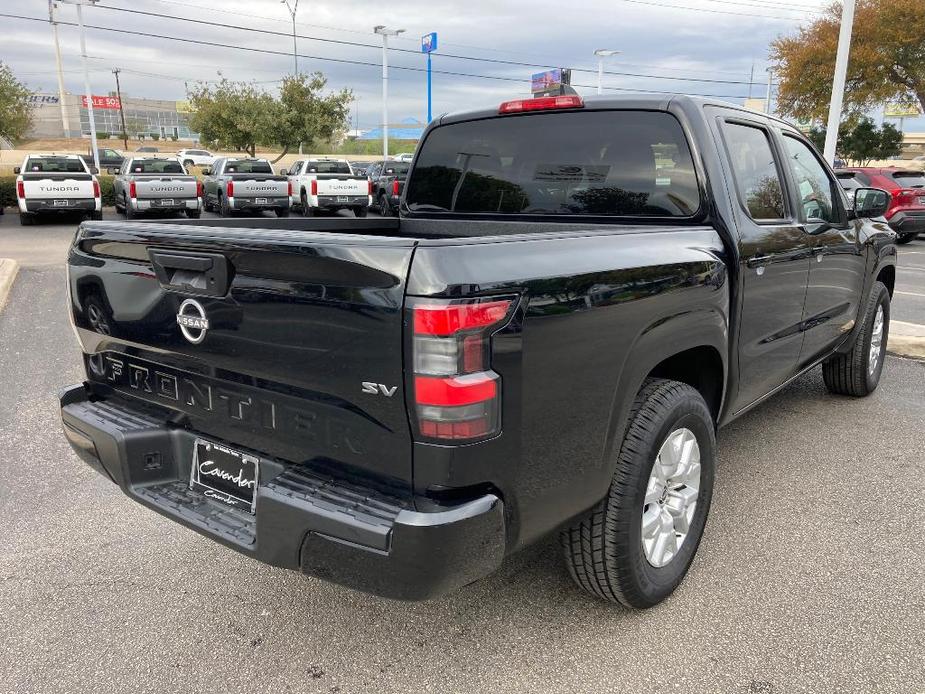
(193, 214)
(282, 211)
(129, 212)
(223, 209)
(26, 219)
(903, 239)
(855, 372)
(96, 216)
(97, 315)
(604, 551)
(384, 208)
(359, 211)
(306, 210)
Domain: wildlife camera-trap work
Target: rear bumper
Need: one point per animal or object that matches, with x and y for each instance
(268, 203)
(329, 528)
(73, 205)
(182, 204)
(909, 222)
(330, 202)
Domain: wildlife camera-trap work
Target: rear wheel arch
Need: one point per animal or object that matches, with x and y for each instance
(887, 276)
(701, 368)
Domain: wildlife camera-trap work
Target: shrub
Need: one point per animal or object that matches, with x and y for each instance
(102, 136)
(155, 136)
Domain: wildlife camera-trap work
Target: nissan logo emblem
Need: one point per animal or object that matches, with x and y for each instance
(192, 321)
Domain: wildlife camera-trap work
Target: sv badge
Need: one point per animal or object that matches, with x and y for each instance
(378, 388)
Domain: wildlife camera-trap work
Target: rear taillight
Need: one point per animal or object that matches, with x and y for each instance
(21, 190)
(543, 103)
(289, 188)
(395, 187)
(199, 189)
(132, 190)
(370, 187)
(903, 197)
(456, 394)
(229, 189)
(96, 189)
(314, 187)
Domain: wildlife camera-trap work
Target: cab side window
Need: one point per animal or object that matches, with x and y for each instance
(816, 190)
(756, 174)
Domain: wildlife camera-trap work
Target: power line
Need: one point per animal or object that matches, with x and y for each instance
(704, 9)
(268, 51)
(357, 44)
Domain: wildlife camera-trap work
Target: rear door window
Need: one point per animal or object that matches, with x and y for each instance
(756, 174)
(602, 163)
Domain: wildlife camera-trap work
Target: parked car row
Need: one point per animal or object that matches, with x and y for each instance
(906, 213)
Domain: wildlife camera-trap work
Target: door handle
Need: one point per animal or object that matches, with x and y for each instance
(758, 260)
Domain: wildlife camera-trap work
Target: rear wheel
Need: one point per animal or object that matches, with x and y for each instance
(26, 219)
(636, 546)
(359, 211)
(129, 212)
(96, 215)
(282, 211)
(193, 214)
(385, 209)
(306, 210)
(906, 238)
(224, 208)
(857, 372)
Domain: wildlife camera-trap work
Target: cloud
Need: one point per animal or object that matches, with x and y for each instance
(653, 40)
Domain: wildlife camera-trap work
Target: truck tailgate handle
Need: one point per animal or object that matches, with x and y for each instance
(198, 273)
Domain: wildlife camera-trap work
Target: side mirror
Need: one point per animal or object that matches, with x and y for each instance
(112, 171)
(17, 169)
(207, 171)
(283, 172)
(870, 202)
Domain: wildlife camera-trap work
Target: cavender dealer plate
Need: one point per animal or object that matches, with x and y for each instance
(224, 474)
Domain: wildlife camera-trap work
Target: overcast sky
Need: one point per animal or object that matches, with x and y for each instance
(668, 44)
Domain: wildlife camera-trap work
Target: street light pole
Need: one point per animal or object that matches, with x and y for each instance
(292, 12)
(54, 30)
(838, 82)
(767, 100)
(83, 56)
(602, 53)
(385, 33)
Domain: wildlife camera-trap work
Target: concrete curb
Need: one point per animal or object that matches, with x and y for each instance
(906, 339)
(8, 270)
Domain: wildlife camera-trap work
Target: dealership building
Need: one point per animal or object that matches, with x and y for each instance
(142, 116)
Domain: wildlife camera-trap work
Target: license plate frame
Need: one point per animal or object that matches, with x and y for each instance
(922, 200)
(61, 203)
(260, 201)
(225, 474)
(168, 202)
(343, 198)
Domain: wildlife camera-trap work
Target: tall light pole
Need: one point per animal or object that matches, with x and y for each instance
(838, 82)
(83, 55)
(602, 53)
(385, 33)
(767, 100)
(54, 30)
(293, 8)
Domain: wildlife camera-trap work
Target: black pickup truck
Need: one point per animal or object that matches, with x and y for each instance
(576, 294)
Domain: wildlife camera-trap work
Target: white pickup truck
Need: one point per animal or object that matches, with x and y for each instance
(329, 185)
(55, 184)
(156, 185)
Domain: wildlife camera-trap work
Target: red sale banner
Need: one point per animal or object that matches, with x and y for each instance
(102, 102)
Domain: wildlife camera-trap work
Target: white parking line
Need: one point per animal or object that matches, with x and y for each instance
(908, 293)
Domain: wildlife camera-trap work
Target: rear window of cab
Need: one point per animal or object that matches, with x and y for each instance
(53, 165)
(600, 163)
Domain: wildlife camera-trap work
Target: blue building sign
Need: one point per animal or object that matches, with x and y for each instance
(429, 42)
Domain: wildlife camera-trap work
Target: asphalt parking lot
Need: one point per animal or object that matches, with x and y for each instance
(809, 578)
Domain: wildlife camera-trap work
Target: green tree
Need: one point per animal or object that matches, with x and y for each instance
(887, 61)
(861, 141)
(307, 116)
(234, 115)
(15, 108)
